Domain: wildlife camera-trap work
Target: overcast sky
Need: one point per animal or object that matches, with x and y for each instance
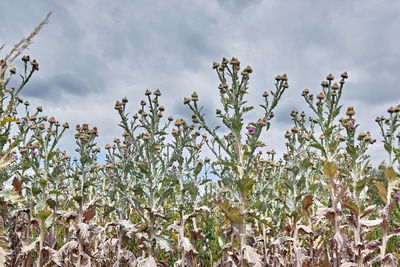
(93, 53)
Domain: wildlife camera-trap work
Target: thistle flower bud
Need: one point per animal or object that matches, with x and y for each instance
(52, 120)
(224, 61)
(288, 134)
(147, 92)
(13, 70)
(161, 108)
(329, 77)
(294, 129)
(335, 86)
(170, 118)
(305, 92)
(320, 96)
(195, 97)
(324, 84)
(285, 85)
(66, 125)
(146, 137)
(26, 103)
(294, 112)
(278, 78)
(265, 94)
(25, 58)
(178, 122)
(391, 110)
(368, 137)
(35, 65)
(41, 126)
(350, 111)
(142, 103)
(215, 65)
(248, 69)
(186, 100)
(124, 100)
(135, 116)
(344, 75)
(157, 92)
(118, 105)
(322, 137)
(57, 123)
(361, 136)
(234, 61)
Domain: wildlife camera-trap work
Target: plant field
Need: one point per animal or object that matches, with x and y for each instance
(183, 193)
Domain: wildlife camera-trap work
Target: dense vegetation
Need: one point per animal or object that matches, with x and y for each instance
(152, 201)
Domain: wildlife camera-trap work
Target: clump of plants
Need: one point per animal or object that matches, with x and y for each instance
(178, 192)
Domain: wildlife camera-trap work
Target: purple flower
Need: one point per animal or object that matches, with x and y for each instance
(111, 175)
(397, 195)
(251, 130)
(374, 140)
(28, 144)
(352, 127)
(260, 152)
(174, 167)
(125, 154)
(23, 121)
(310, 96)
(34, 153)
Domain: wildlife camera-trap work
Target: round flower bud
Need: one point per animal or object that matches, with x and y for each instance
(320, 96)
(329, 77)
(35, 65)
(248, 69)
(305, 92)
(350, 111)
(215, 65)
(13, 70)
(25, 58)
(147, 92)
(157, 92)
(186, 100)
(195, 97)
(170, 118)
(265, 94)
(344, 75)
(335, 86)
(118, 105)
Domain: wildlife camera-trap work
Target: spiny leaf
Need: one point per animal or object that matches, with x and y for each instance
(390, 174)
(381, 191)
(330, 169)
(245, 184)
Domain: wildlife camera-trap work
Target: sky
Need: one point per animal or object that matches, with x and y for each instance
(93, 53)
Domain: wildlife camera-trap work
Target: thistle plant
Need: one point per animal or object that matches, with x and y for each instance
(235, 154)
(388, 127)
(188, 166)
(152, 160)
